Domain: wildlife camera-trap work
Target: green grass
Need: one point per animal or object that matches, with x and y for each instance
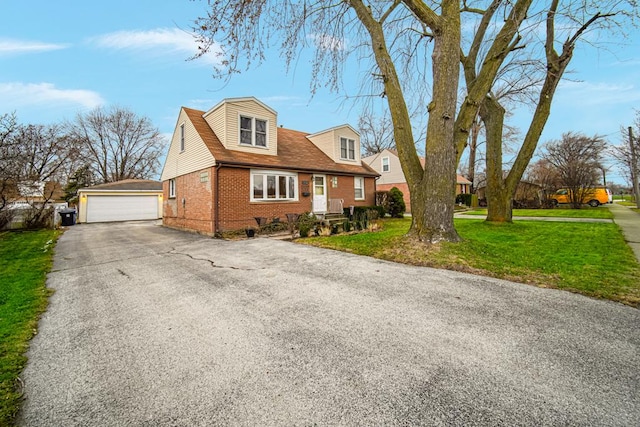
(589, 258)
(585, 212)
(627, 203)
(25, 259)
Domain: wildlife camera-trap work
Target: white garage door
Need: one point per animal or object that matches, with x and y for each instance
(121, 208)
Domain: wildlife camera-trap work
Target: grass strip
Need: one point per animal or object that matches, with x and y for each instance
(589, 258)
(586, 212)
(25, 259)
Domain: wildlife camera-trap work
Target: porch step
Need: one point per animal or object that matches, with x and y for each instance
(334, 218)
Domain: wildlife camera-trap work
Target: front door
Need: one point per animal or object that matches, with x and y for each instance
(319, 194)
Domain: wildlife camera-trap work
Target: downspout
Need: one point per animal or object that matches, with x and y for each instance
(216, 201)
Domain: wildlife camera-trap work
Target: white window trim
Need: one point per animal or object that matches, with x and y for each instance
(388, 164)
(254, 172)
(253, 130)
(347, 139)
(172, 188)
(356, 180)
(182, 137)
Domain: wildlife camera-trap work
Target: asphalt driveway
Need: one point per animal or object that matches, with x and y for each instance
(154, 327)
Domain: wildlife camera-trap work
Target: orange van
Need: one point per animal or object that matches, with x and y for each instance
(593, 197)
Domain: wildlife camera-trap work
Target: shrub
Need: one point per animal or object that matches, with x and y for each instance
(306, 222)
(6, 216)
(382, 200)
(36, 218)
(397, 206)
(464, 199)
(362, 210)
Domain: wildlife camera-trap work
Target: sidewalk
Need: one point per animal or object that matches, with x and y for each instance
(629, 223)
(537, 218)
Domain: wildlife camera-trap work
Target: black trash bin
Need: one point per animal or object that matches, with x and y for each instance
(68, 217)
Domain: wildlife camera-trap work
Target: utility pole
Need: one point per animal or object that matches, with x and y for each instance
(634, 168)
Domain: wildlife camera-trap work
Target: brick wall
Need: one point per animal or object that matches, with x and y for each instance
(192, 207)
(236, 211)
(346, 191)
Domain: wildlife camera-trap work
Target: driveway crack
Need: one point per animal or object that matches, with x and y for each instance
(211, 262)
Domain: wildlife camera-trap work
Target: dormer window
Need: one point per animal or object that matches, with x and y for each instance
(385, 164)
(253, 131)
(347, 149)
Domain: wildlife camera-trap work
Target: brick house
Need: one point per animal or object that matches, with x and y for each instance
(387, 164)
(233, 163)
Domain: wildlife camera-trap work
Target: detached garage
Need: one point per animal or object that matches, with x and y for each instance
(127, 200)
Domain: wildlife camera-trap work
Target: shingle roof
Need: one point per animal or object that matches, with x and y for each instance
(129, 184)
(295, 152)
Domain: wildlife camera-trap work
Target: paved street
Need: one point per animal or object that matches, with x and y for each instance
(153, 327)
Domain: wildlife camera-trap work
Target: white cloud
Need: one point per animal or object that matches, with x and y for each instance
(597, 94)
(160, 41)
(10, 46)
(16, 94)
(328, 42)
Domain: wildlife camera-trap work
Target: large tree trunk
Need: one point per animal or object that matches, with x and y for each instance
(434, 220)
(432, 188)
(499, 195)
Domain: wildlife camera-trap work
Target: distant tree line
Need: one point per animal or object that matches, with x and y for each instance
(103, 145)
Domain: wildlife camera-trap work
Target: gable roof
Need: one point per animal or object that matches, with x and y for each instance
(295, 152)
(128, 184)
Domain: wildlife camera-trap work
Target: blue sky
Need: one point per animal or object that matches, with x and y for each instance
(61, 58)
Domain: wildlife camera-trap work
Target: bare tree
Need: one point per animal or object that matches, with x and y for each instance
(117, 144)
(627, 154)
(397, 37)
(8, 154)
(376, 133)
(565, 25)
(43, 152)
(546, 176)
(578, 161)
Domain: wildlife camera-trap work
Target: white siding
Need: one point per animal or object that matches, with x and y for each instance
(329, 142)
(195, 157)
(224, 119)
(216, 120)
(346, 132)
(394, 175)
(325, 142)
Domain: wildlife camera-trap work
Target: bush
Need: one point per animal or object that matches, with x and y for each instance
(36, 218)
(6, 216)
(464, 199)
(382, 200)
(306, 222)
(397, 206)
(378, 211)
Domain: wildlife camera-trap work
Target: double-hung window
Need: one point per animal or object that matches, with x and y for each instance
(347, 149)
(273, 185)
(385, 164)
(358, 184)
(253, 131)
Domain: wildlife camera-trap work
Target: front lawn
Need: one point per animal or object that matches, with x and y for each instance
(589, 258)
(560, 212)
(25, 259)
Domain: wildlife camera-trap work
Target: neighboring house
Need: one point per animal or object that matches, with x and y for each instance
(387, 164)
(126, 200)
(233, 163)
